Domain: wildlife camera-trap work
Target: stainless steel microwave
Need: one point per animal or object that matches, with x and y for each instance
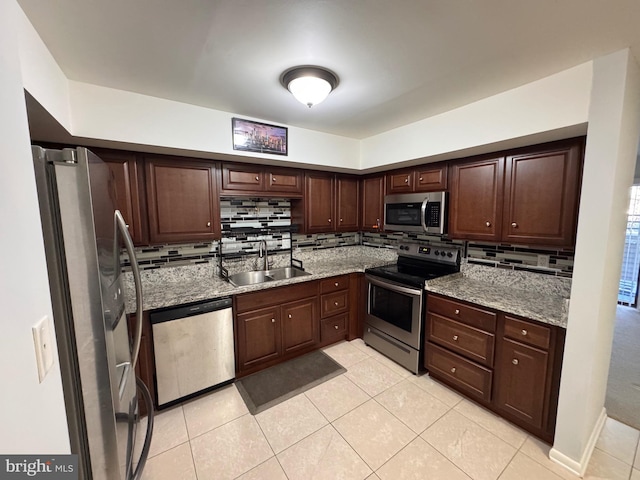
(416, 212)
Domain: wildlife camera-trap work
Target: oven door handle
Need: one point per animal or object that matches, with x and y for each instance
(394, 287)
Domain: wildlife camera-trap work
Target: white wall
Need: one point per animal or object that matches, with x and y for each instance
(555, 102)
(109, 114)
(610, 156)
(42, 77)
(32, 415)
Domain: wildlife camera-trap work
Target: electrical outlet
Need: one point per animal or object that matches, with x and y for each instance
(43, 344)
(543, 261)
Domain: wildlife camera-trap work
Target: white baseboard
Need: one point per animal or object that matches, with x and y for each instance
(579, 467)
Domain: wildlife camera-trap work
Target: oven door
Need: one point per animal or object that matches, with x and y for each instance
(395, 309)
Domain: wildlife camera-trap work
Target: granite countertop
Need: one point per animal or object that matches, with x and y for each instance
(537, 297)
(166, 287)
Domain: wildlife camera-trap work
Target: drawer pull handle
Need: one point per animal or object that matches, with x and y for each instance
(455, 338)
(457, 312)
(515, 361)
(336, 327)
(289, 315)
(453, 369)
(336, 284)
(524, 332)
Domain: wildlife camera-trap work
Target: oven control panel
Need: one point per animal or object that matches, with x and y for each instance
(429, 252)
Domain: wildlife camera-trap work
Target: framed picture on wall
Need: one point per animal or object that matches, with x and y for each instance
(250, 136)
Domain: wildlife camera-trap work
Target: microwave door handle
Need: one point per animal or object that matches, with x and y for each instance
(423, 213)
(137, 280)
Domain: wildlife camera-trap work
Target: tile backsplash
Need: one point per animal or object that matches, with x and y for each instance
(243, 218)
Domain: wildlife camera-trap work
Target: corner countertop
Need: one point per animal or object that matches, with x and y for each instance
(167, 287)
(538, 297)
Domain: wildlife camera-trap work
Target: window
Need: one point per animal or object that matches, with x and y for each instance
(628, 290)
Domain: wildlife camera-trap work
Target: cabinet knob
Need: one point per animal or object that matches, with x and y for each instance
(273, 179)
(406, 180)
(257, 178)
(273, 320)
(336, 327)
(329, 220)
(127, 225)
(420, 179)
(335, 303)
(514, 224)
(341, 220)
(488, 224)
(515, 361)
(336, 284)
(289, 315)
(453, 369)
(455, 338)
(208, 224)
(457, 312)
(524, 332)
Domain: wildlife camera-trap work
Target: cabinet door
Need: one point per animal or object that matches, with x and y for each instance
(300, 324)
(242, 178)
(127, 171)
(476, 200)
(431, 178)
(541, 197)
(320, 203)
(259, 338)
(400, 182)
(288, 182)
(347, 204)
(521, 381)
(372, 204)
(183, 204)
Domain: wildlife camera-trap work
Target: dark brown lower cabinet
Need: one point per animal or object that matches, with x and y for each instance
(299, 325)
(145, 367)
(510, 365)
(521, 381)
(259, 333)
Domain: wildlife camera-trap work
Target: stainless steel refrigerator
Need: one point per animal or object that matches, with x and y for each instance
(83, 236)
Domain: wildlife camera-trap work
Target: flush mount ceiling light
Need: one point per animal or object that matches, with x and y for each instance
(309, 85)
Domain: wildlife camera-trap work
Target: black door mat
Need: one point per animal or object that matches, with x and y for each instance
(264, 389)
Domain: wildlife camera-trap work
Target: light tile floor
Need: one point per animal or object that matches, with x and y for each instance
(376, 421)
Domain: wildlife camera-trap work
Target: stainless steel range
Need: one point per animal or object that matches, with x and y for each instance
(396, 301)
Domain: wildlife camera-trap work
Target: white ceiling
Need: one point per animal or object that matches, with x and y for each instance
(398, 60)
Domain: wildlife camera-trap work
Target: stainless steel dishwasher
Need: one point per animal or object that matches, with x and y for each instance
(193, 349)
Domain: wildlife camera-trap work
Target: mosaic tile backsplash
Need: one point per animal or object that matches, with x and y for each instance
(241, 218)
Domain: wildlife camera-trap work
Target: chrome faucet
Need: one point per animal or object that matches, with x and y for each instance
(263, 253)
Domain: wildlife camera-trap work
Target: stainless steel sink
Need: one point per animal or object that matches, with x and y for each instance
(286, 272)
(249, 278)
(260, 276)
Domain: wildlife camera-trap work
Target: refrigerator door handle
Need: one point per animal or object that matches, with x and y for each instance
(137, 473)
(137, 280)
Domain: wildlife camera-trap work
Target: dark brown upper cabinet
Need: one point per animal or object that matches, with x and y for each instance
(372, 202)
(475, 203)
(182, 200)
(240, 179)
(128, 174)
(541, 196)
(330, 204)
(426, 178)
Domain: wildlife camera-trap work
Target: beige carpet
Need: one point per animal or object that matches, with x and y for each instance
(623, 388)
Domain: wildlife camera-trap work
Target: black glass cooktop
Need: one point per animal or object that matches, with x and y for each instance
(413, 273)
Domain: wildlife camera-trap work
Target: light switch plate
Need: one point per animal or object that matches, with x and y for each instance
(43, 343)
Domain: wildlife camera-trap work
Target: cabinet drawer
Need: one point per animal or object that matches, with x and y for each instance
(527, 332)
(473, 379)
(476, 317)
(334, 303)
(334, 284)
(333, 327)
(471, 342)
